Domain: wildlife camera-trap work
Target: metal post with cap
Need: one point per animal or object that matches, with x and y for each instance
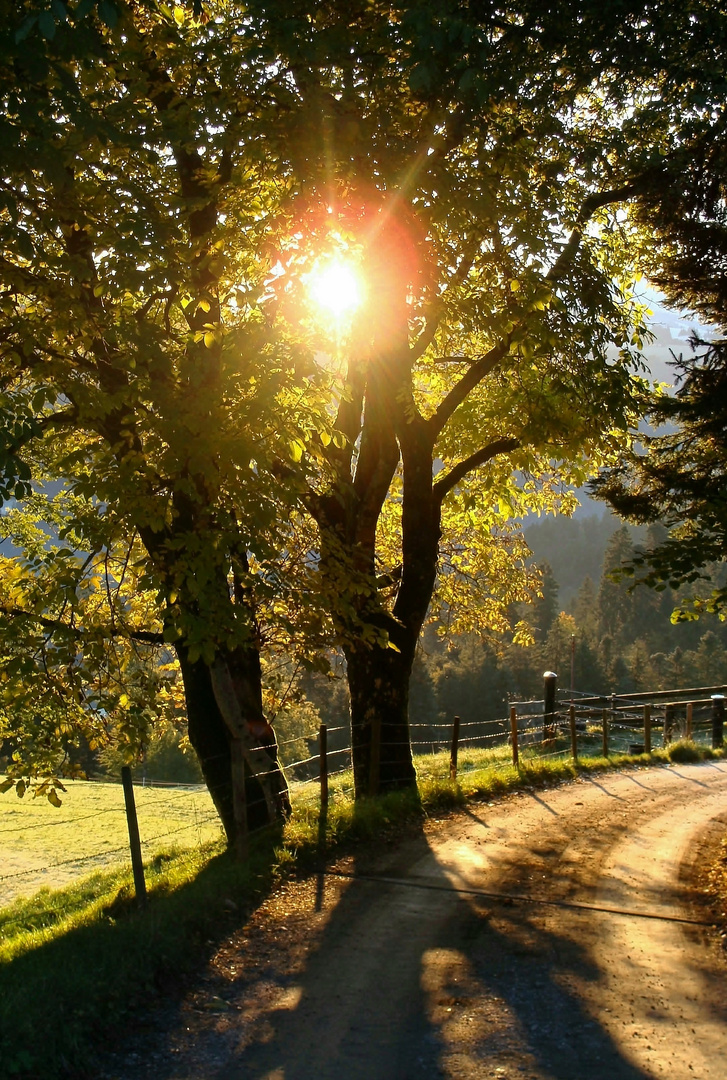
(550, 685)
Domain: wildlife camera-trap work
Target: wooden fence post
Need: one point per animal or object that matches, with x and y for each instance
(454, 749)
(690, 718)
(668, 724)
(513, 735)
(573, 732)
(717, 721)
(137, 864)
(550, 685)
(647, 729)
(604, 731)
(323, 762)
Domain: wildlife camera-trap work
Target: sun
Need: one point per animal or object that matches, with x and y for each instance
(336, 287)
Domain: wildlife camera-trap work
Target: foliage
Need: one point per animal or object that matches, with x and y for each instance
(678, 473)
(151, 387)
(295, 716)
(166, 757)
(171, 179)
(678, 477)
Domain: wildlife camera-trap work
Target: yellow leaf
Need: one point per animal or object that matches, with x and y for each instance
(325, 437)
(124, 700)
(296, 449)
(209, 339)
(179, 16)
(514, 285)
(53, 798)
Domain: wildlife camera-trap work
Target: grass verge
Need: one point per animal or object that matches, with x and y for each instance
(76, 963)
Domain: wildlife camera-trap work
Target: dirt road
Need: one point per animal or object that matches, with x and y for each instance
(550, 935)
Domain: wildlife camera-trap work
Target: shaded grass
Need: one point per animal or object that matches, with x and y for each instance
(77, 963)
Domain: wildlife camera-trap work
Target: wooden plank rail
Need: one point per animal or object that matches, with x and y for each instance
(676, 697)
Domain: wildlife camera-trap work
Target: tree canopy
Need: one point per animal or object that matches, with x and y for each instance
(171, 182)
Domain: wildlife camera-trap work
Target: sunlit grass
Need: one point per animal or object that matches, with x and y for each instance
(40, 843)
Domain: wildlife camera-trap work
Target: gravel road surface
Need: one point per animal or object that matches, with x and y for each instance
(549, 935)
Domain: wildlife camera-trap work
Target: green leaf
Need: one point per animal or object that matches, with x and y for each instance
(108, 13)
(6, 785)
(83, 9)
(25, 27)
(24, 243)
(47, 25)
(20, 788)
(53, 798)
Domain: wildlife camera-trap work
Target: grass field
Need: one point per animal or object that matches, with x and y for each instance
(41, 845)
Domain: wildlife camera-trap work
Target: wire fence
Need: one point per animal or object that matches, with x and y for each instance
(37, 847)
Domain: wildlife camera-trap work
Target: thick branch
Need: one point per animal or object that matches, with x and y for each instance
(590, 205)
(479, 370)
(445, 483)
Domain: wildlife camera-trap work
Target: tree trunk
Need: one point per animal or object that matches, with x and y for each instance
(378, 681)
(226, 722)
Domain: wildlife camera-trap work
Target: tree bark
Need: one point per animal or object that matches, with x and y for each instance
(265, 799)
(378, 680)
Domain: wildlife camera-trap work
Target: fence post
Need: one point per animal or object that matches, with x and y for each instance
(454, 749)
(604, 731)
(612, 717)
(573, 732)
(137, 864)
(717, 721)
(513, 734)
(690, 718)
(647, 729)
(668, 724)
(550, 685)
(323, 762)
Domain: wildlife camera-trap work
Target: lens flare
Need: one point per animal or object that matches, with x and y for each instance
(336, 288)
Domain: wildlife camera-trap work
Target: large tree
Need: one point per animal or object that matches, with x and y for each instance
(487, 210)
(142, 370)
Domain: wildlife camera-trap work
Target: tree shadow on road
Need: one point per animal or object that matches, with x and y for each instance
(410, 978)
